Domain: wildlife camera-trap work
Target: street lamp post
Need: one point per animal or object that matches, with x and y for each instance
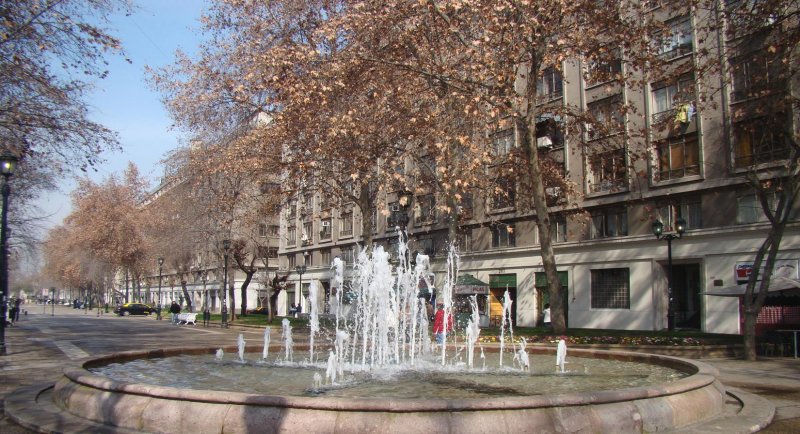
(301, 269)
(7, 165)
(158, 308)
(226, 246)
(658, 231)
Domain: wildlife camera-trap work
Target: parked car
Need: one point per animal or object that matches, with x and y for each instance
(133, 309)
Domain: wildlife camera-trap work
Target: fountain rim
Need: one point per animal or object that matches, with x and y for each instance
(700, 375)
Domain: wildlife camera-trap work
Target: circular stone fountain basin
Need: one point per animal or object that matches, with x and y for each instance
(150, 408)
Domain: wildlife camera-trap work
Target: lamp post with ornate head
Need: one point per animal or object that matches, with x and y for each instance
(8, 163)
(658, 231)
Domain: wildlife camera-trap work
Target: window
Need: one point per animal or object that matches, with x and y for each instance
(325, 256)
(761, 140)
(267, 252)
(608, 116)
(292, 212)
(426, 245)
(756, 75)
(668, 97)
(292, 261)
(325, 201)
(503, 235)
(688, 208)
(609, 222)
(503, 142)
(373, 220)
(425, 210)
(465, 206)
(348, 255)
(611, 289)
(307, 205)
(308, 233)
(550, 85)
(607, 171)
(262, 230)
(504, 194)
(558, 229)
(464, 239)
(604, 68)
(346, 224)
(325, 230)
(274, 230)
(678, 157)
(750, 16)
(678, 40)
(291, 235)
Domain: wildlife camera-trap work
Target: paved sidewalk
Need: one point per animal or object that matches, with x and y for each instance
(38, 349)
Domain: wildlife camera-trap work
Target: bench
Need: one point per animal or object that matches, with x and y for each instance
(187, 318)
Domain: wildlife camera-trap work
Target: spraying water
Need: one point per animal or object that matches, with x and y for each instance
(219, 354)
(313, 322)
(561, 355)
(240, 343)
(473, 331)
(521, 357)
(265, 352)
(507, 302)
(288, 343)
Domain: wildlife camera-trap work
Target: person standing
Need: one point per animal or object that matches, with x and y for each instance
(439, 324)
(13, 313)
(174, 309)
(206, 317)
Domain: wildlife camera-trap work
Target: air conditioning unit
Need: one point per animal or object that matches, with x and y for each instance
(544, 142)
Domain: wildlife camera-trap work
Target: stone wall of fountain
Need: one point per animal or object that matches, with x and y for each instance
(159, 409)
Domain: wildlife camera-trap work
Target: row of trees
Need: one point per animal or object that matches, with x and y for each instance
(353, 91)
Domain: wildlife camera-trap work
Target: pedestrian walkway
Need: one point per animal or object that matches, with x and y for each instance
(41, 344)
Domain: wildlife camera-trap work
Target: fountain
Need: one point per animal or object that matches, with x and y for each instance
(385, 335)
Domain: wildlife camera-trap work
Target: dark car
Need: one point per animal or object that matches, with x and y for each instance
(133, 309)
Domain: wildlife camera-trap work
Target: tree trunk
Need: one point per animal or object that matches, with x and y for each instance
(187, 297)
(231, 303)
(539, 197)
(365, 206)
(248, 276)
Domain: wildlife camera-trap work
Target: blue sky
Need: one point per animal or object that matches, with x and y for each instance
(125, 103)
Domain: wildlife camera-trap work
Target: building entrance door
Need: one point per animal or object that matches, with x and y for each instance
(498, 285)
(686, 292)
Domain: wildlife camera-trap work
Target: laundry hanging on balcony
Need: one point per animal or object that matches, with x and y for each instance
(684, 113)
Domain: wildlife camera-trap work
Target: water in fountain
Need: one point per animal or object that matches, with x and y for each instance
(473, 331)
(219, 354)
(288, 343)
(506, 324)
(521, 357)
(383, 335)
(240, 344)
(561, 355)
(265, 351)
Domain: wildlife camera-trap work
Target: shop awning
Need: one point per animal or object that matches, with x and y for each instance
(785, 285)
(467, 284)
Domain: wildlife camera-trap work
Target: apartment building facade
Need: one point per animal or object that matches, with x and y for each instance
(615, 270)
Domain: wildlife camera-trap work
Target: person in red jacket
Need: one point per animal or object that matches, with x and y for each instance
(438, 324)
